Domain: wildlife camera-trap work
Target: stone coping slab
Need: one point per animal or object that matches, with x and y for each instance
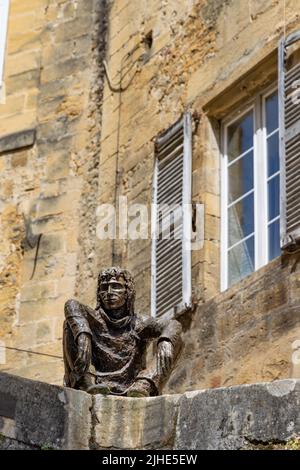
(36, 415)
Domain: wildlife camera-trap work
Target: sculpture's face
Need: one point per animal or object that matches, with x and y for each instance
(113, 293)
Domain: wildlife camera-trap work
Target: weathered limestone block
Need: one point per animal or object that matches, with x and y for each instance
(239, 417)
(17, 140)
(40, 416)
(130, 423)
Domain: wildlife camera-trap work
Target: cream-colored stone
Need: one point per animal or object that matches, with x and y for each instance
(141, 420)
(27, 6)
(17, 122)
(14, 105)
(32, 311)
(25, 41)
(22, 62)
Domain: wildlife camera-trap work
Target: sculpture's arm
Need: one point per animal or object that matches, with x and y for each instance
(168, 346)
(163, 330)
(76, 317)
(171, 332)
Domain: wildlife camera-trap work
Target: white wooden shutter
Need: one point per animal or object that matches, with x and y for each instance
(4, 7)
(289, 126)
(171, 257)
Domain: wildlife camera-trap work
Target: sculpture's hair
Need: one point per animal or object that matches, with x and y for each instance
(117, 272)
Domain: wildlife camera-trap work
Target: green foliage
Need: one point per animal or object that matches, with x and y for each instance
(46, 446)
(293, 444)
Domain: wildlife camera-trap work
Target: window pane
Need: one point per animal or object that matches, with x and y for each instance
(241, 220)
(273, 197)
(274, 240)
(240, 136)
(272, 112)
(241, 261)
(273, 154)
(240, 177)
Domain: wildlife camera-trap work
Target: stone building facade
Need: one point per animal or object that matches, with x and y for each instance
(53, 96)
(89, 86)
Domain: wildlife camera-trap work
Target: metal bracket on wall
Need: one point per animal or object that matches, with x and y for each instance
(31, 241)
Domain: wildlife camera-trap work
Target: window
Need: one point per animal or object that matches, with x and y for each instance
(250, 189)
(171, 220)
(4, 7)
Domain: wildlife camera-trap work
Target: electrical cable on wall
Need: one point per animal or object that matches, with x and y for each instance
(119, 88)
(30, 352)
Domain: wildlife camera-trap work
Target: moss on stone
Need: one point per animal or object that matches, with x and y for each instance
(293, 444)
(46, 446)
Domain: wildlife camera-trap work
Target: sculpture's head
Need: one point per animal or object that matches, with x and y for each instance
(116, 290)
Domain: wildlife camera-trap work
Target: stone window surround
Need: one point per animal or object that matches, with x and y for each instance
(258, 80)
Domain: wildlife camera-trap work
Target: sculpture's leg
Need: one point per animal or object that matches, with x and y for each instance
(70, 354)
(99, 389)
(150, 381)
(143, 386)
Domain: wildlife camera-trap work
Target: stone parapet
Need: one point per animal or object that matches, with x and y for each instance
(34, 415)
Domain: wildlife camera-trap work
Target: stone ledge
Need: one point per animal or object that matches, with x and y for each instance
(17, 140)
(239, 417)
(36, 415)
(40, 415)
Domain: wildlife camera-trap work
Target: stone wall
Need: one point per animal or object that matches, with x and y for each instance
(208, 58)
(34, 415)
(50, 130)
(69, 141)
(245, 334)
(199, 58)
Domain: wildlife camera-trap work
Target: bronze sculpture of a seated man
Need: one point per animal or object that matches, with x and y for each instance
(105, 348)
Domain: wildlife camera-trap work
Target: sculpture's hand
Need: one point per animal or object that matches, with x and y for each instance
(164, 357)
(84, 353)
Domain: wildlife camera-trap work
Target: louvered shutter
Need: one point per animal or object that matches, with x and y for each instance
(171, 220)
(4, 7)
(289, 119)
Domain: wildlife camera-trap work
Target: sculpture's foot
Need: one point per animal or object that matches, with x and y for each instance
(101, 389)
(84, 382)
(139, 389)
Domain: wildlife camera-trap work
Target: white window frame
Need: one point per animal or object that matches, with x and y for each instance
(4, 11)
(261, 248)
(187, 225)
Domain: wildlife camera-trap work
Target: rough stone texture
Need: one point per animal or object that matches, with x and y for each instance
(145, 424)
(39, 415)
(200, 49)
(11, 444)
(243, 335)
(17, 141)
(239, 417)
(34, 415)
(54, 82)
(208, 57)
